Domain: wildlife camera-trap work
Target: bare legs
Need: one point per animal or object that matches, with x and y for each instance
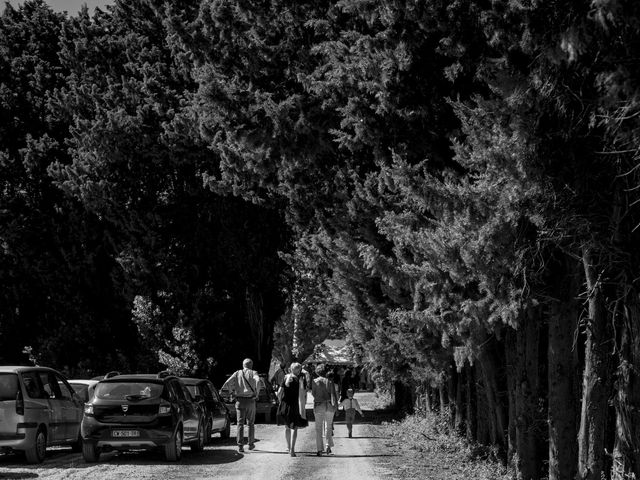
(291, 440)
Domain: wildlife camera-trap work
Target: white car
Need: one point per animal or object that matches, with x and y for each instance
(38, 409)
(84, 388)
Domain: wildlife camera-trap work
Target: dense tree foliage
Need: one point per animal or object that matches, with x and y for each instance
(450, 185)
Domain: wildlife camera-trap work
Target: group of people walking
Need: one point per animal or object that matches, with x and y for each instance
(293, 388)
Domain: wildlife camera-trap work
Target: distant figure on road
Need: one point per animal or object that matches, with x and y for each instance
(278, 376)
(350, 406)
(345, 384)
(244, 385)
(325, 402)
(290, 406)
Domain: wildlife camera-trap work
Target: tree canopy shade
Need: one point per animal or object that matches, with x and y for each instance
(118, 208)
(60, 290)
(452, 185)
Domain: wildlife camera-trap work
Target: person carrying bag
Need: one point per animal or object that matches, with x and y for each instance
(244, 385)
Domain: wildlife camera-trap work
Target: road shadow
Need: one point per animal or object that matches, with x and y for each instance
(337, 455)
(334, 455)
(225, 442)
(270, 452)
(17, 475)
(66, 459)
(17, 460)
(206, 457)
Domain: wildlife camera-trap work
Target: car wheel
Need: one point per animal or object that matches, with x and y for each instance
(90, 452)
(198, 445)
(226, 433)
(36, 452)
(173, 449)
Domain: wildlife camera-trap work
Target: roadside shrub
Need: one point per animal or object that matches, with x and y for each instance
(430, 435)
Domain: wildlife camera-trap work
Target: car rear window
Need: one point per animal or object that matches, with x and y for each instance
(128, 390)
(8, 386)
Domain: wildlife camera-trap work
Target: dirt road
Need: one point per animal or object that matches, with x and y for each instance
(358, 458)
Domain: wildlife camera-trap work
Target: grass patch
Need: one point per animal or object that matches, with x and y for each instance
(428, 449)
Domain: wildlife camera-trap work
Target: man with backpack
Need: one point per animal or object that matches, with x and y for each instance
(244, 386)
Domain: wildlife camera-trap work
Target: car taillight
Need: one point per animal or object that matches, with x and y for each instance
(88, 409)
(19, 403)
(164, 409)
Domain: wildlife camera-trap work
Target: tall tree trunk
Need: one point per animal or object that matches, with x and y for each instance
(452, 388)
(522, 345)
(255, 317)
(484, 415)
(458, 423)
(427, 398)
(490, 367)
(593, 416)
(626, 452)
(470, 420)
(510, 352)
(442, 394)
(562, 364)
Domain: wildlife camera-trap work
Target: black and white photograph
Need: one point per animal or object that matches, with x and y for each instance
(320, 240)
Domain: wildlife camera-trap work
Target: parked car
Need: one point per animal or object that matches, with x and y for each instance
(217, 418)
(142, 411)
(266, 405)
(38, 409)
(84, 388)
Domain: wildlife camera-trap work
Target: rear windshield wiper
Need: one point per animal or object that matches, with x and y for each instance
(136, 397)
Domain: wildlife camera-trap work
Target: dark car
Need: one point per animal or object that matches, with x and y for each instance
(38, 409)
(217, 418)
(132, 412)
(266, 405)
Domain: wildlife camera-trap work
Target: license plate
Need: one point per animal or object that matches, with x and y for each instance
(125, 433)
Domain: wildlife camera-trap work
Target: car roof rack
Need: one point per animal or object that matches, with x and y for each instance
(113, 373)
(164, 374)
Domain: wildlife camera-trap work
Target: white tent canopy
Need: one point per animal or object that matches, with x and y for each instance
(331, 352)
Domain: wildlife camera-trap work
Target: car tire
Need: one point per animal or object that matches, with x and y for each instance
(36, 452)
(198, 444)
(173, 449)
(90, 452)
(226, 433)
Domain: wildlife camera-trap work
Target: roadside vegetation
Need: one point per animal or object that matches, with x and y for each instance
(427, 448)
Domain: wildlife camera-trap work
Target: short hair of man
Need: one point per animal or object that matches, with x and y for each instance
(320, 369)
(247, 363)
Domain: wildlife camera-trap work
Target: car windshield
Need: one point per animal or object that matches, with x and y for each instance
(128, 390)
(8, 386)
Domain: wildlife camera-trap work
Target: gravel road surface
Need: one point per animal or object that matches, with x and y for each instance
(364, 457)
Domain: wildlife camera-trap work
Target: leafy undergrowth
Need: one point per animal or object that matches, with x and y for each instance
(425, 448)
